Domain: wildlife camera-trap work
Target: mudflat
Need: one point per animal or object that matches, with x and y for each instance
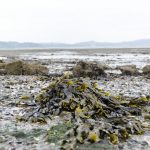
(18, 95)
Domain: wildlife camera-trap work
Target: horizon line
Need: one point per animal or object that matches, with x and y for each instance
(124, 41)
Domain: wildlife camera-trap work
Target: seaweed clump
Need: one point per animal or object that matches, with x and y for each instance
(96, 115)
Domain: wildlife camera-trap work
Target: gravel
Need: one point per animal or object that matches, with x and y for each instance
(13, 87)
(127, 86)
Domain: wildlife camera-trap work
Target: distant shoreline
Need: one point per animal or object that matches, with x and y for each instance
(16, 52)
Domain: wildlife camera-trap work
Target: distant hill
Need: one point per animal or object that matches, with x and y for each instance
(144, 43)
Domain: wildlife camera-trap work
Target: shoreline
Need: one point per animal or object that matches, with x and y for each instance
(16, 52)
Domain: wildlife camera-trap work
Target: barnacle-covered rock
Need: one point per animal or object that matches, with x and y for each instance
(95, 114)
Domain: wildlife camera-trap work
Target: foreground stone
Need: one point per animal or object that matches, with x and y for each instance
(22, 68)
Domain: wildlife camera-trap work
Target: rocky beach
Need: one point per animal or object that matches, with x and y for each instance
(118, 74)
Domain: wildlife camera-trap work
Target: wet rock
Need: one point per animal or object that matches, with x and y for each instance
(146, 69)
(128, 70)
(89, 69)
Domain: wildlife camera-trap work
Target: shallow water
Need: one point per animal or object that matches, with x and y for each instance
(113, 59)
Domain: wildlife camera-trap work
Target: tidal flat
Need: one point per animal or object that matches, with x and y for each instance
(18, 92)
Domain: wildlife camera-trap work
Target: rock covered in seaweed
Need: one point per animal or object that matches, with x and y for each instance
(21, 68)
(146, 70)
(14, 68)
(89, 69)
(96, 115)
(129, 70)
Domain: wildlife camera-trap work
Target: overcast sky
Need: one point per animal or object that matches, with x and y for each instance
(72, 21)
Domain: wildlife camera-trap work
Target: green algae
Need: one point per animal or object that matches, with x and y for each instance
(56, 133)
(20, 134)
